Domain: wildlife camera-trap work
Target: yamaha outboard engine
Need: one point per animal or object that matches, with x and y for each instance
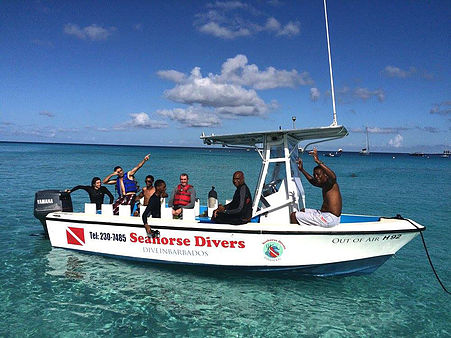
(47, 201)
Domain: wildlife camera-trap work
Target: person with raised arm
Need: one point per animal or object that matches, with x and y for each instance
(96, 192)
(329, 214)
(125, 185)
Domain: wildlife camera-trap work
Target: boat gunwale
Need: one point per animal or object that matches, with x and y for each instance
(245, 231)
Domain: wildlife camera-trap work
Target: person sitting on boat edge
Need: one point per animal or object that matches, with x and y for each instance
(182, 197)
(330, 212)
(125, 184)
(96, 192)
(154, 207)
(145, 194)
(147, 191)
(239, 211)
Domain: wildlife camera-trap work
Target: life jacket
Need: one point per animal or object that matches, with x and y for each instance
(183, 195)
(129, 185)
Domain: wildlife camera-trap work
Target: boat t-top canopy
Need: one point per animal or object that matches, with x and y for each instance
(279, 189)
(251, 139)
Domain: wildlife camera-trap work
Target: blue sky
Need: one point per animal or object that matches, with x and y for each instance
(163, 72)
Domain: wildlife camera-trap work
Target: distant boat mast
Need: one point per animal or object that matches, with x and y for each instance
(334, 123)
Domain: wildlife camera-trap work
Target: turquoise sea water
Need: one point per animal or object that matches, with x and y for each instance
(58, 293)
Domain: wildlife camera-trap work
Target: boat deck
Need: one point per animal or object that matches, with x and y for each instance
(344, 219)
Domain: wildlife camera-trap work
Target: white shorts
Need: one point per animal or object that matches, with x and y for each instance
(317, 218)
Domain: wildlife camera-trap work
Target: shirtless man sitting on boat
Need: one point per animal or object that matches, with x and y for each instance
(147, 191)
(324, 178)
(145, 194)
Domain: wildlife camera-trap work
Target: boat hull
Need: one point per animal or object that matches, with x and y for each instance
(352, 248)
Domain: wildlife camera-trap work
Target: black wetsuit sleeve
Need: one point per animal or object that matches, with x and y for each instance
(78, 187)
(146, 213)
(110, 195)
(242, 199)
(153, 208)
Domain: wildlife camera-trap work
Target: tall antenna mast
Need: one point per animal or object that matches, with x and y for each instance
(334, 123)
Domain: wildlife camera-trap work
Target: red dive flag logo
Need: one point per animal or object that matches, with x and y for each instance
(75, 236)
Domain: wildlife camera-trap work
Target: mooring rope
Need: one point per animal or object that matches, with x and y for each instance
(398, 216)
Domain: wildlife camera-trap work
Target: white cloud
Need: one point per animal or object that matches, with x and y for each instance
(347, 94)
(92, 32)
(396, 72)
(290, 29)
(378, 130)
(191, 117)
(314, 94)
(230, 94)
(219, 31)
(273, 25)
(392, 71)
(143, 121)
(229, 20)
(365, 94)
(172, 75)
(228, 5)
(237, 71)
(47, 132)
(396, 141)
(205, 92)
(95, 128)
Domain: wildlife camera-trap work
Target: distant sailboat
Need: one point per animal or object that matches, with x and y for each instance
(366, 151)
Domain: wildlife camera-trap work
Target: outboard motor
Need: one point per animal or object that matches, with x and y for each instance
(47, 201)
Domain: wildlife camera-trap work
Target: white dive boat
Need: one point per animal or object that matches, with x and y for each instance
(269, 243)
(366, 151)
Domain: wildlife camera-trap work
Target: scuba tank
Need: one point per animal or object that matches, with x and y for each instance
(212, 198)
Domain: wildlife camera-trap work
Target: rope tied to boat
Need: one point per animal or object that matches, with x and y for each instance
(398, 216)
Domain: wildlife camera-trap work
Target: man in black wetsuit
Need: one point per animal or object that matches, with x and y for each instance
(239, 211)
(96, 192)
(154, 206)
